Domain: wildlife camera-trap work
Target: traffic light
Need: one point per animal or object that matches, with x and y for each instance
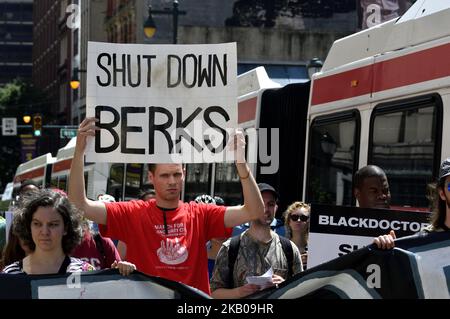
(37, 125)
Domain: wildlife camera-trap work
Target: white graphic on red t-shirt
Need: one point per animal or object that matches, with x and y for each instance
(172, 252)
(172, 230)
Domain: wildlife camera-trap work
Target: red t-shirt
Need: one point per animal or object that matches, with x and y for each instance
(180, 255)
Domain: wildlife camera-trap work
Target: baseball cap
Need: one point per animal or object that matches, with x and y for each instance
(106, 198)
(264, 187)
(445, 169)
(206, 199)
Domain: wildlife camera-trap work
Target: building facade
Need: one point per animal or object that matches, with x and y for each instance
(16, 39)
(91, 28)
(46, 53)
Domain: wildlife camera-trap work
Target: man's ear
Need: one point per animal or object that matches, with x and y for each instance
(150, 177)
(356, 193)
(442, 194)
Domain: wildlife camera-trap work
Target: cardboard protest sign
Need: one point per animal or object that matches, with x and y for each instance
(339, 230)
(161, 103)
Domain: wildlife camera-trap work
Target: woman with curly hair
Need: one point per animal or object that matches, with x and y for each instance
(296, 221)
(49, 225)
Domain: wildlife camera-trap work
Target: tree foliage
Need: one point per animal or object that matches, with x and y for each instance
(17, 98)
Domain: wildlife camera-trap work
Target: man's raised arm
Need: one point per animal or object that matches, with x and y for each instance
(253, 207)
(95, 211)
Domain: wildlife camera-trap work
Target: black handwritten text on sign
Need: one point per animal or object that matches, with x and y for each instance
(189, 70)
(181, 123)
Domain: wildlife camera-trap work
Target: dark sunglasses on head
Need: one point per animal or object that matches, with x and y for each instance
(295, 217)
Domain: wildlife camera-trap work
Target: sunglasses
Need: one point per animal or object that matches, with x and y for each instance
(302, 217)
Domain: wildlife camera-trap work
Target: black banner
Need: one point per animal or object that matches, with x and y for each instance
(419, 267)
(101, 284)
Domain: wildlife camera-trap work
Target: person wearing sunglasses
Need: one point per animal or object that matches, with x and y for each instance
(296, 220)
(440, 217)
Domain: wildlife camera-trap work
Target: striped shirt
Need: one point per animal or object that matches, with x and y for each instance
(70, 264)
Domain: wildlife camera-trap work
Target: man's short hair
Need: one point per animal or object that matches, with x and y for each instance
(366, 172)
(27, 182)
(152, 167)
(145, 193)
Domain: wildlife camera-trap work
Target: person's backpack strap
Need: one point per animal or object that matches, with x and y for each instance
(232, 255)
(101, 249)
(289, 253)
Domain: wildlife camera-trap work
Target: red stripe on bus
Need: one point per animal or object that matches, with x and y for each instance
(39, 172)
(62, 165)
(413, 68)
(247, 110)
(410, 69)
(337, 87)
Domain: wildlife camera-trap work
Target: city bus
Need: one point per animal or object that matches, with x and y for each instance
(382, 98)
(37, 169)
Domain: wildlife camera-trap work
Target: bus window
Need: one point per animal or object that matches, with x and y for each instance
(115, 181)
(198, 180)
(404, 143)
(228, 184)
(133, 181)
(62, 184)
(332, 158)
(54, 182)
(145, 180)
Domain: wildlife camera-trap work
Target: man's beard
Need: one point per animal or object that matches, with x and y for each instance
(264, 223)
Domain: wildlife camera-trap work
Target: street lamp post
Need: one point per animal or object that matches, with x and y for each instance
(75, 84)
(150, 26)
(314, 65)
(75, 80)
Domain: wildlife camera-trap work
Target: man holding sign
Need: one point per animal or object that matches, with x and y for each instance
(168, 104)
(166, 237)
